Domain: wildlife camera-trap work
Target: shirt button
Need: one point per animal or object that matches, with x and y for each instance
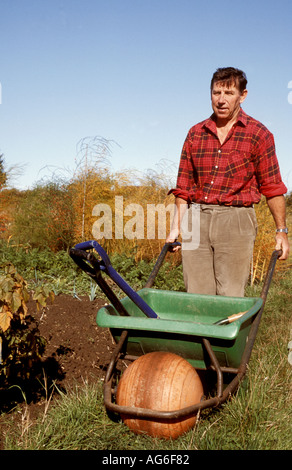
(216, 166)
(219, 151)
(206, 197)
(212, 182)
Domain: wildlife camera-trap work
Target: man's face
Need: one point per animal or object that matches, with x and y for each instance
(226, 101)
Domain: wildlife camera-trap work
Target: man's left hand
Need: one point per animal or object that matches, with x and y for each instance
(282, 243)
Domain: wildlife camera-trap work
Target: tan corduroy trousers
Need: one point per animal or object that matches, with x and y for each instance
(217, 261)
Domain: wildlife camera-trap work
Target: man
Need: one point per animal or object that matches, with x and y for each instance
(227, 163)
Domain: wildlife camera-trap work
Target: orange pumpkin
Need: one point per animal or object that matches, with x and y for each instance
(160, 381)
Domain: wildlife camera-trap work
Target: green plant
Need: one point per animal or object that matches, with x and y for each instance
(21, 345)
(13, 297)
(42, 294)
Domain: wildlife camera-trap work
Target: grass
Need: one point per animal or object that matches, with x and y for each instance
(257, 418)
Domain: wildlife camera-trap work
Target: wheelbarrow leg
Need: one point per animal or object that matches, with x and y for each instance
(216, 366)
(115, 356)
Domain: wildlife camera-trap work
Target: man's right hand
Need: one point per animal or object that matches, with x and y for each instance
(172, 237)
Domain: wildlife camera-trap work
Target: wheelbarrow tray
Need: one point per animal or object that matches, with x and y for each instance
(184, 320)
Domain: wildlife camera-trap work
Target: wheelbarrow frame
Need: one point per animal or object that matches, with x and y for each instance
(88, 262)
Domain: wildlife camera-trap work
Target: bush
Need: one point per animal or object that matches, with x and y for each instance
(21, 344)
(45, 218)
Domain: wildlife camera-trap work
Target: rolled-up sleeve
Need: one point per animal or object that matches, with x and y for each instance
(268, 171)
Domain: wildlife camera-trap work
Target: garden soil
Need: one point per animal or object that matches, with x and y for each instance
(77, 352)
(75, 344)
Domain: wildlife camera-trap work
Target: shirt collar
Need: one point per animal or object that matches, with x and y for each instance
(210, 122)
(242, 117)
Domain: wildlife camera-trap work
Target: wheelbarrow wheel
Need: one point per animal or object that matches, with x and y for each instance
(160, 381)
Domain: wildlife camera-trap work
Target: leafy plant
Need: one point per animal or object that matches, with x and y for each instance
(13, 297)
(42, 294)
(21, 344)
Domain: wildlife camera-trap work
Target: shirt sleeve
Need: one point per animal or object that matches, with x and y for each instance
(186, 174)
(268, 171)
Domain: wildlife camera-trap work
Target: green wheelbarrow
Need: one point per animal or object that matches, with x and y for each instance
(214, 334)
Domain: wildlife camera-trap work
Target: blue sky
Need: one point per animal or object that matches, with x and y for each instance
(136, 72)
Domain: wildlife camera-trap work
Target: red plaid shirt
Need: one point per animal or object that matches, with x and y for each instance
(235, 173)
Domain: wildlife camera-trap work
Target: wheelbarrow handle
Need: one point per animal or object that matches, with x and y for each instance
(270, 271)
(166, 247)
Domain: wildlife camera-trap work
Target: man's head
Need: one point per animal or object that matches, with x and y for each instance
(230, 76)
(228, 91)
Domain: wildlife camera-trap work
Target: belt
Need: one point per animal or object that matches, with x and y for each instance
(217, 207)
